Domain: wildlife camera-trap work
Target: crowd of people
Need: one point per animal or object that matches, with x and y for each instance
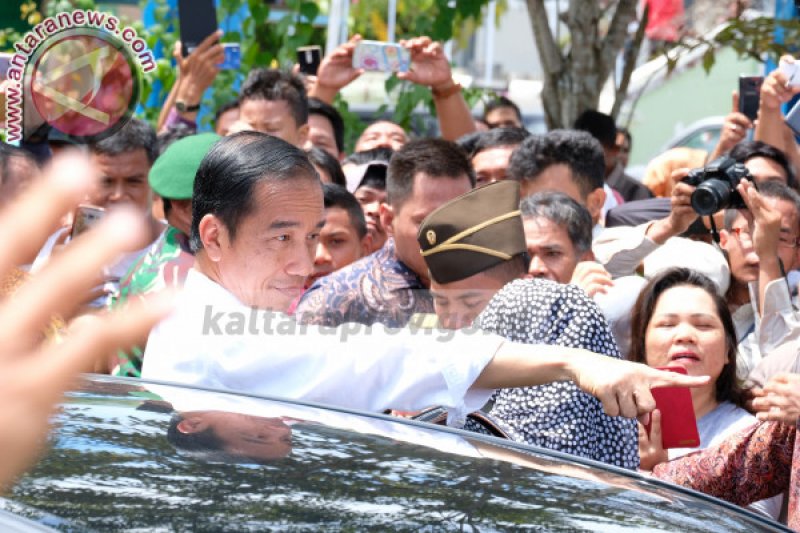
(488, 269)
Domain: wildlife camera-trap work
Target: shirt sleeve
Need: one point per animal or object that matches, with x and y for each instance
(622, 249)
(751, 465)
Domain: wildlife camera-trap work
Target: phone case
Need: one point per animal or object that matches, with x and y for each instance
(385, 57)
(233, 56)
(678, 423)
(197, 19)
(750, 95)
(309, 59)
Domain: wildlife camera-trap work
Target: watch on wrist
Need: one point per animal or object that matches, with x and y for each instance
(183, 108)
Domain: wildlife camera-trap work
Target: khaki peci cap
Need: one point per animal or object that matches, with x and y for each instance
(474, 232)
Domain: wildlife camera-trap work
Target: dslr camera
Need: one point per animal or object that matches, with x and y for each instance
(716, 186)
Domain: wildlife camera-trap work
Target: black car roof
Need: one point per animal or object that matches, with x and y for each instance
(112, 466)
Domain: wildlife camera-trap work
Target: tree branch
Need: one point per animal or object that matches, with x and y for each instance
(549, 52)
(615, 38)
(629, 62)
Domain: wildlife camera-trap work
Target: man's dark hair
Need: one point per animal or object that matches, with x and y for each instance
(578, 150)
(500, 102)
(601, 126)
(172, 134)
(747, 150)
(225, 182)
(330, 164)
(200, 441)
(338, 196)
(275, 85)
(367, 156)
(136, 134)
(436, 158)
(467, 142)
(318, 107)
(498, 137)
(7, 152)
(224, 108)
(564, 212)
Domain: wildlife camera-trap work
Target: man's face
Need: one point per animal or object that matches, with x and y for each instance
(225, 121)
(124, 180)
(738, 243)
(382, 134)
(459, 303)
(491, 165)
(267, 262)
(320, 134)
(428, 194)
(553, 256)
(503, 117)
(273, 117)
(371, 200)
(764, 169)
(247, 436)
(339, 244)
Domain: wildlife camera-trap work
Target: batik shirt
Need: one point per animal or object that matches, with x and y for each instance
(558, 416)
(165, 264)
(378, 288)
(756, 463)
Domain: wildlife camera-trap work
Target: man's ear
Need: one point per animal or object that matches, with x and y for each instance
(192, 424)
(594, 203)
(213, 235)
(302, 135)
(724, 237)
(387, 215)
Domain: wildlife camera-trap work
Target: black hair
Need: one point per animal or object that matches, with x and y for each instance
(330, 164)
(374, 176)
(468, 141)
(747, 150)
(564, 212)
(135, 135)
(578, 150)
(500, 102)
(318, 107)
(337, 196)
(497, 137)
(224, 108)
(225, 182)
(173, 133)
(436, 158)
(601, 126)
(201, 441)
(7, 152)
(276, 85)
(368, 156)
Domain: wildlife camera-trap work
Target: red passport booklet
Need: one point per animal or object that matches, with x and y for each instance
(678, 424)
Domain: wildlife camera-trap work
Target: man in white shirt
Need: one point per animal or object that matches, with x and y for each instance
(257, 213)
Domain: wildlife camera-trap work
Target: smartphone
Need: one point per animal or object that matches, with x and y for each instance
(309, 58)
(381, 56)
(750, 95)
(86, 217)
(678, 423)
(197, 20)
(233, 56)
(792, 118)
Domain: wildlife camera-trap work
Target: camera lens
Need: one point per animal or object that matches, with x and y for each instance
(711, 196)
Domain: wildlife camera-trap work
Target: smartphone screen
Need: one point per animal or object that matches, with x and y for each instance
(678, 423)
(197, 20)
(380, 56)
(309, 58)
(86, 217)
(750, 95)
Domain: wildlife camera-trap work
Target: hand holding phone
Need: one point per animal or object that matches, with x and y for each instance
(678, 423)
(381, 56)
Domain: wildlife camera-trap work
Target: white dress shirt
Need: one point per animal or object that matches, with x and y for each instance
(213, 340)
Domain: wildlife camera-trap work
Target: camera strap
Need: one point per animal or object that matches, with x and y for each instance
(714, 232)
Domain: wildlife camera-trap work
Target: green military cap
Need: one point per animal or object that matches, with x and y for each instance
(474, 232)
(172, 175)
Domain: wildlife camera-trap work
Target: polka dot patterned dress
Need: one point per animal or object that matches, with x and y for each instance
(558, 416)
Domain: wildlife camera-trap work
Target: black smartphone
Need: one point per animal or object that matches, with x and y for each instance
(197, 20)
(750, 95)
(309, 58)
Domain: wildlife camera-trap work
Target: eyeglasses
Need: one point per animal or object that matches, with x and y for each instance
(746, 238)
